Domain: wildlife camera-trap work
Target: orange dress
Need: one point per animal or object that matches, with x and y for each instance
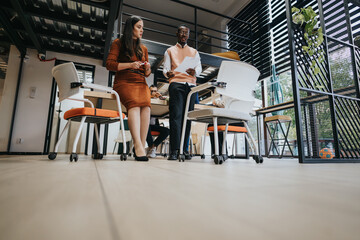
(130, 84)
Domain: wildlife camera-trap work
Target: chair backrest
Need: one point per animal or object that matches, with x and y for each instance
(240, 78)
(64, 75)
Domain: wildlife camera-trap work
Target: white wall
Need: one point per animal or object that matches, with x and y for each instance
(32, 113)
(8, 97)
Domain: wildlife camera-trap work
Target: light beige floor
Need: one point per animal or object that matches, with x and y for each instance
(110, 199)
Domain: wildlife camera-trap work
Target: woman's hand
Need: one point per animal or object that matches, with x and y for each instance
(135, 65)
(147, 66)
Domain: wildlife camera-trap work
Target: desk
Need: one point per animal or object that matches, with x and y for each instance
(159, 108)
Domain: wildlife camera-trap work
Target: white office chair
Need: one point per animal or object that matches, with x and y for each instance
(69, 87)
(236, 83)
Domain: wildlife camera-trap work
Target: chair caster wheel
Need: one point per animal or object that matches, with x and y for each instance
(232, 156)
(218, 159)
(225, 157)
(123, 157)
(258, 159)
(97, 156)
(73, 157)
(203, 156)
(52, 155)
(181, 158)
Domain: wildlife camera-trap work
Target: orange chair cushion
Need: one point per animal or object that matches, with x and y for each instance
(155, 133)
(86, 111)
(230, 129)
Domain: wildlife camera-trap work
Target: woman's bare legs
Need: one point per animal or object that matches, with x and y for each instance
(134, 126)
(138, 120)
(144, 123)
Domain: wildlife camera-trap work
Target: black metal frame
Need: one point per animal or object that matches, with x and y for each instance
(339, 104)
(273, 139)
(195, 25)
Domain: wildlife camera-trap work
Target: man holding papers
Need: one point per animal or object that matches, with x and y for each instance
(181, 66)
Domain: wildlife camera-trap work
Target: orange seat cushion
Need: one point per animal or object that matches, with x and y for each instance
(86, 111)
(230, 129)
(155, 133)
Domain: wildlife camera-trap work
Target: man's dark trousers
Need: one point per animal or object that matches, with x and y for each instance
(178, 94)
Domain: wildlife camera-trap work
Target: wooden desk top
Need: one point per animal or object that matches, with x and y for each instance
(159, 108)
(346, 91)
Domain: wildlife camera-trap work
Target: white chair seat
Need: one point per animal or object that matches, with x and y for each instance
(224, 115)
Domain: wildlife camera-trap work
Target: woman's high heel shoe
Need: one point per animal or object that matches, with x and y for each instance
(141, 158)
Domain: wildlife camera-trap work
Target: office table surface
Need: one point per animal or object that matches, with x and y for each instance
(159, 108)
(346, 91)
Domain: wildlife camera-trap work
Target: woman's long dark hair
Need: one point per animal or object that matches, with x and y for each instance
(127, 42)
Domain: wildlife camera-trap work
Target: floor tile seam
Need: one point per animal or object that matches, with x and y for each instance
(111, 220)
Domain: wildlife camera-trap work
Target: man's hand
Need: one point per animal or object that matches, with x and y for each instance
(191, 71)
(170, 74)
(156, 95)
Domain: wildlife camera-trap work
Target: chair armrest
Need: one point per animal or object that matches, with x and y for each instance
(97, 87)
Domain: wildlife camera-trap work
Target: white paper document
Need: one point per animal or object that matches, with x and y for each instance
(188, 62)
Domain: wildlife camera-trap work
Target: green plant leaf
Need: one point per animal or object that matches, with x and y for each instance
(313, 63)
(306, 36)
(316, 70)
(305, 48)
(311, 52)
(311, 12)
(298, 19)
(295, 10)
(320, 38)
(309, 28)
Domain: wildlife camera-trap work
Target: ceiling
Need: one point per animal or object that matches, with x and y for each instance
(85, 27)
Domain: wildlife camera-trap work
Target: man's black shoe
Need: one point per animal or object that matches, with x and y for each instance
(187, 156)
(173, 156)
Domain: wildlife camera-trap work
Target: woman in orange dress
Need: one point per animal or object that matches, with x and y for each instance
(129, 59)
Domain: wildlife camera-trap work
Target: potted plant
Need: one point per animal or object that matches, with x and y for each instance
(306, 20)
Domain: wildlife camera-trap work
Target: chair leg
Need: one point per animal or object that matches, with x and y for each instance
(61, 136)
(190, 144)
(53, 155)
(233, 147)
(114, 147)
(217, 158)
(216, 136)
(96, 130)
(78, 134)
(257, 157)
(224, 141)
(202, 146)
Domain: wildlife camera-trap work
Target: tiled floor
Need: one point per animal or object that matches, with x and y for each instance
(110, 199)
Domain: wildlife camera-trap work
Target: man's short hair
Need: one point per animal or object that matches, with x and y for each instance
(183, 25)
(152, 85)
